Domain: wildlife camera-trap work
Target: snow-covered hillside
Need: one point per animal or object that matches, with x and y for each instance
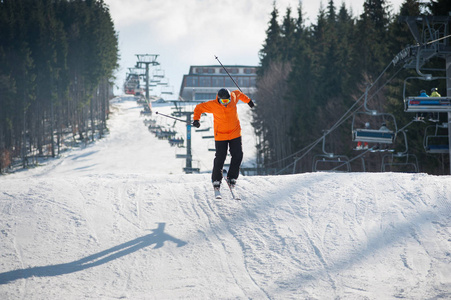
(119, 220)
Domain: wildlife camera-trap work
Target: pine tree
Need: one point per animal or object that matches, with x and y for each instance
(288, 35)
(373, 37)
(271, 48)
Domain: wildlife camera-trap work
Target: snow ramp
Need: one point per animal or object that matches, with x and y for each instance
(307, 236)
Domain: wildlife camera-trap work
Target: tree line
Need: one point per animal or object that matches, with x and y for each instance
(311, 76)
(57, 59)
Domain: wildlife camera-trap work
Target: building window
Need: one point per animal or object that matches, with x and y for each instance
(208, 70)
(250, 71)
(205, 96)
(243, 81)
(228, 82)
(204, 81)
(192, 81)
(230, 70)
(217, 81)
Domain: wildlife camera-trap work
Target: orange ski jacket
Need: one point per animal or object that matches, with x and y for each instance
(225, 118)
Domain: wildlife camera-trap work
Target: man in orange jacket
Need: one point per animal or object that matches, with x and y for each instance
(227, 132)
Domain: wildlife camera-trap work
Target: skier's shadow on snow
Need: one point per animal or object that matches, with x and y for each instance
(157, 237)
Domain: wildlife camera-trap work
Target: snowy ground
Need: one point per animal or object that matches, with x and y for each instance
(119, 220)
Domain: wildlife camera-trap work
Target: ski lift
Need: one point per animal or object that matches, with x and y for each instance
(425, 104)
(436, 141)
(382, 135)
(334, 160)
(401, 161)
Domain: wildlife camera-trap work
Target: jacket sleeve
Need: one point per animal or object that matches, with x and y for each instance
(241, 96)
(200, 109)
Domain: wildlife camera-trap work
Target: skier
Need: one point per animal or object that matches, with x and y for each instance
(227, 133)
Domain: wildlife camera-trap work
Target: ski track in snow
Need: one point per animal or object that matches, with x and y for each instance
(119, 220)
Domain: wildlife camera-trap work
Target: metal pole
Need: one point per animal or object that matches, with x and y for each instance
(188, 120)
(189, 159)
(147, 82)
(448, 94)
(228, 74)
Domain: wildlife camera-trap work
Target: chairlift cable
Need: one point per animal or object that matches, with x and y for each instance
(351, 160)
(439, 39)
(408, 124)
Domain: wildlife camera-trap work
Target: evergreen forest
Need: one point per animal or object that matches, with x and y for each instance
(315, 81)
(57, 59)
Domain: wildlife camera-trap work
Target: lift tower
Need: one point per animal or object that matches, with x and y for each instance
(147, 60)
(432, 35)
(189, 157)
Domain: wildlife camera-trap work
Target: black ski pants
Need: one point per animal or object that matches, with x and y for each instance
(236, 151)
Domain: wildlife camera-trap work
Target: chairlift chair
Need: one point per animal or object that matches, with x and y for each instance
(203, 129)
(211, 146)
(380, 136)
(176, 141)
(425, 104)
(158, 73)
(434, 142)
(374, 135)
(400, 159)
(329, 158)
(168, 90)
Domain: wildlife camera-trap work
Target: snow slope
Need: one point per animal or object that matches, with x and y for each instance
(119, 220)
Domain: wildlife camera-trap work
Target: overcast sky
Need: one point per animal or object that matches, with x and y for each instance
(192, 32)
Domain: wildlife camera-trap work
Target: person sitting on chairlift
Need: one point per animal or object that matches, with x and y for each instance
(420, 117)
(434, 117)
(423, 93)
(434, 93)
(379, 146)
(365, 144)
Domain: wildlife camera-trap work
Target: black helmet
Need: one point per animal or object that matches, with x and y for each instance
(223, 94)
(434, 89)
(422, 91)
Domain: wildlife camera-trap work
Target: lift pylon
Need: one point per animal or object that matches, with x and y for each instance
(147, 60)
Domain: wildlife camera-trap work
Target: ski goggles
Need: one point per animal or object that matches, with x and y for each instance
(224, 101)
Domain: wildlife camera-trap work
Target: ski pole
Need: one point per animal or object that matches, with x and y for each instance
(172, 117)
(228, 74)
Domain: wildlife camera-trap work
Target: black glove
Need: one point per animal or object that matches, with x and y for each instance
(196, 123)
(251, 103)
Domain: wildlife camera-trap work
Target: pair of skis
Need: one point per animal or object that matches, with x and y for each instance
(235, 195)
